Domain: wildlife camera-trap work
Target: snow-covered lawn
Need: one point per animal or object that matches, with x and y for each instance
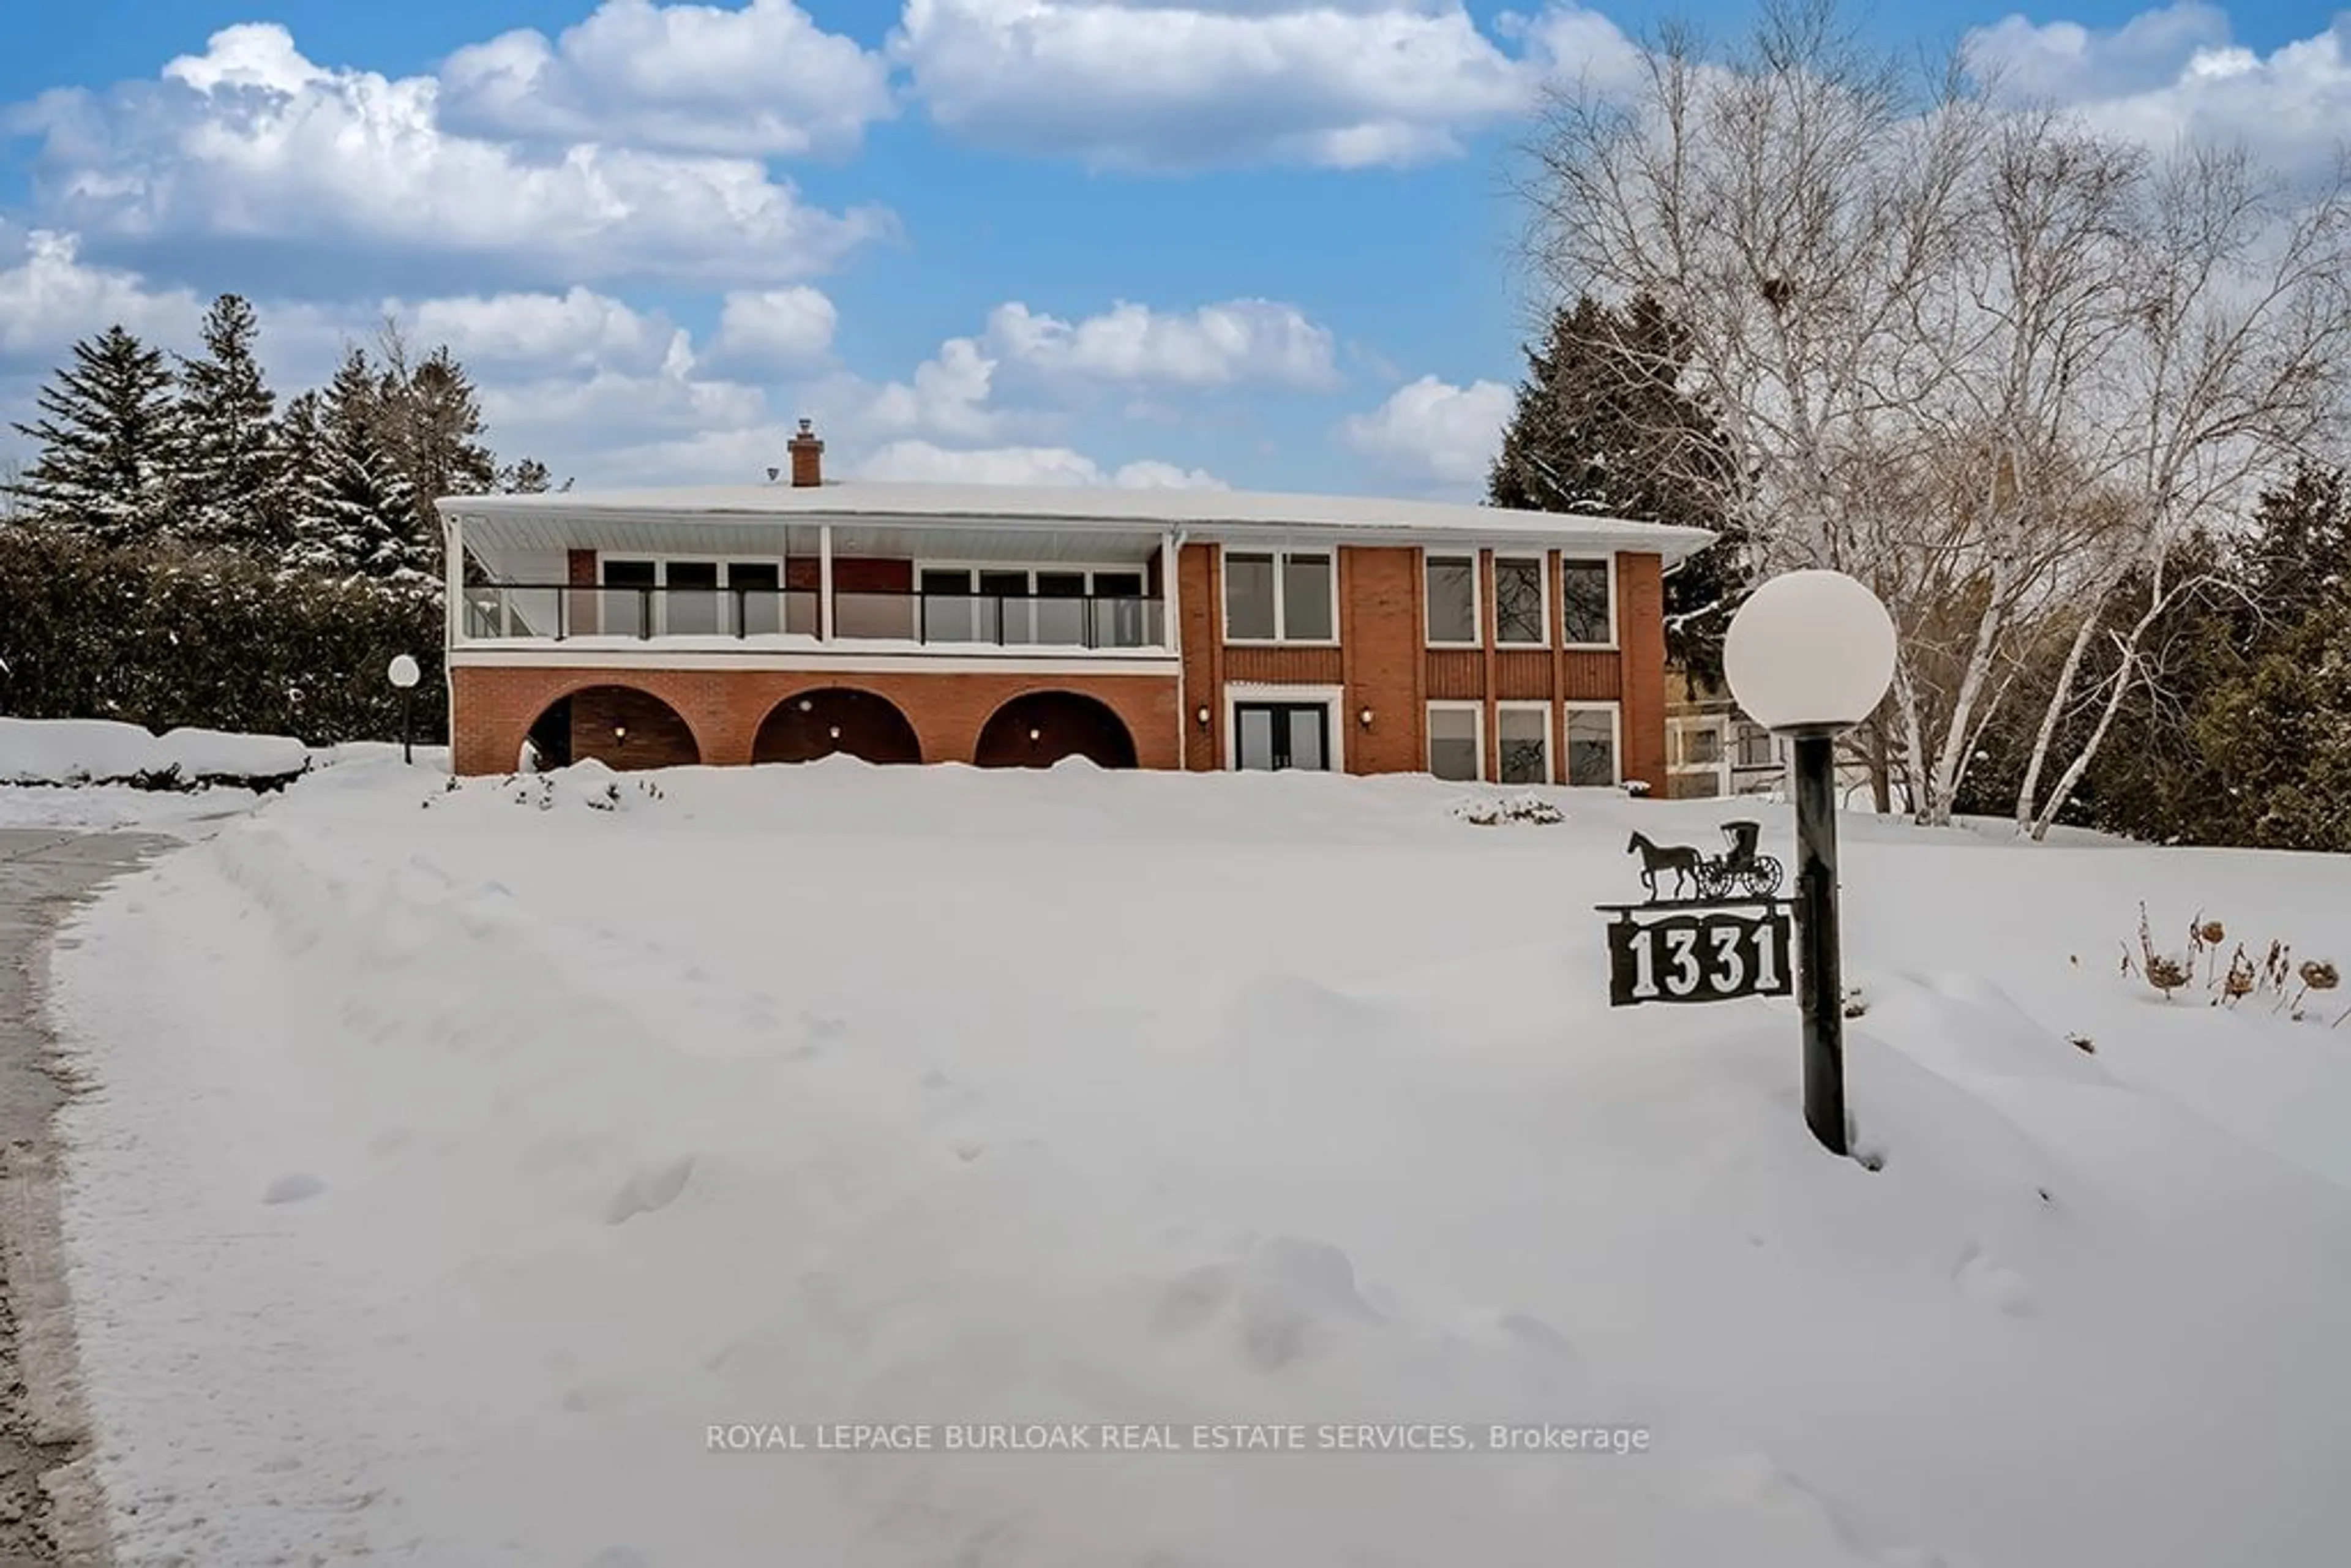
(457, 1161)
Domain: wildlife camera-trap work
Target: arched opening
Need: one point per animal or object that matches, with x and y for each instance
(1043, 728)
(836, 718)
(620, 726)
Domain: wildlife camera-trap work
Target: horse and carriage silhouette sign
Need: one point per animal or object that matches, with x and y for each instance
(1721, 933)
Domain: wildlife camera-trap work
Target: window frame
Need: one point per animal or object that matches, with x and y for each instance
(1239, 695)
(1477, 711)
(1281, 558)
(1552, 769)
(1476, 601)
(1607, 564)
(1542, 564)
(1615, 712)
(660, 561)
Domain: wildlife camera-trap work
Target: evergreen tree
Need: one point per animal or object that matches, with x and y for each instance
(107, 442)
(527, 477)
(1603, 428)
(432, 423)
(365, 508)
(310, 525)
(232, 482)
(2300, 552)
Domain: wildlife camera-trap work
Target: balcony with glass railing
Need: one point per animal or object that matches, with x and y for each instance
(793, 617)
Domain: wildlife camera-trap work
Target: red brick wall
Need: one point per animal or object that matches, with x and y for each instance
(1199, 593)
(1641, 648)
(1380, 623)
(850, 574)
(493, 709)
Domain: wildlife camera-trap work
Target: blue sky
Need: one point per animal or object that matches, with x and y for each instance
(1257, 242)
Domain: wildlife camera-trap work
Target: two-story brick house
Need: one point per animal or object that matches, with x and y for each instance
(1016, 626)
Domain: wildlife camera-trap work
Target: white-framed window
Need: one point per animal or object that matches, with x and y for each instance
(1754, 746)
(693, 596)
(1058, 606)
(1521, 601)
(1523, 737)
(1592, 742)
(1587, 601)
(1450, 587)
(1457, 740)
(1281, 596)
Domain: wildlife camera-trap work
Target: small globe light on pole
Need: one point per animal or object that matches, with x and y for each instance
(404, 674)
(1809, 656)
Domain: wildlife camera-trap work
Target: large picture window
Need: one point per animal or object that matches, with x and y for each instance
(1452, 594)
(1453, 742)
(1592, 745)
(1586, 612)
(1524, 731)
(1290, 596)
(1519, 603)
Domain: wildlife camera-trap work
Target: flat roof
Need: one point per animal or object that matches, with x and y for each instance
(1220, 513)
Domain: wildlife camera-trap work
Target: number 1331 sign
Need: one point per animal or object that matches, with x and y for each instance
(1700, 954)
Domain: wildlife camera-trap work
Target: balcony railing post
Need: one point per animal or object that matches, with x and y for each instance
(645, 614)
(922, 616)
(742, 611)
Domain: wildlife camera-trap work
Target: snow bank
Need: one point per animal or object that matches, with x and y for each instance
(520, 1169)
(105, 751)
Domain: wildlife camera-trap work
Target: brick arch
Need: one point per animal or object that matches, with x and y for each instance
(1039, 728)
(618, 723)
(823, 720)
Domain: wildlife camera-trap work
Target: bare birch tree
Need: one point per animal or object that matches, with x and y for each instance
(1984, 358)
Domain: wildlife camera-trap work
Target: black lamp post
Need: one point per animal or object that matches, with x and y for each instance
(404, 674)
(1809, 656)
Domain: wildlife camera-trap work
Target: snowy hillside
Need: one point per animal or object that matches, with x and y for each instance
(460, 1159)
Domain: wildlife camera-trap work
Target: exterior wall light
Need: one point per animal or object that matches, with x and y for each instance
(1364, 718)
(619, 735)
(1200, 714)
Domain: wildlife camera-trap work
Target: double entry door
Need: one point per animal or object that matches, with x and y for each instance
(1269, 736)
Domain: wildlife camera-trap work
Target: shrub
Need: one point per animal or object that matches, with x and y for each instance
(164, 637)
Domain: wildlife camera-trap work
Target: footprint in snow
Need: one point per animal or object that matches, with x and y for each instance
(649, 1191)
(1982, 1278)
(293, 1187)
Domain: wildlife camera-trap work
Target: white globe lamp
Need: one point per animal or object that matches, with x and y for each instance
(403, 675)
(1809, 656)
(1810, 651)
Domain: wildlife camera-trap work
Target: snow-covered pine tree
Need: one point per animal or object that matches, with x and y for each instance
(431, 419)
(309, 521)
(1603, 427)
(109, 442)
(234, 480)
(365, 507)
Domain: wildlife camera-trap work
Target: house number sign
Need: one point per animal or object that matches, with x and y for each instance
(1718, 931)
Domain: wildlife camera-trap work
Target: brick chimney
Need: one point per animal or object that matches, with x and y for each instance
(808, 456)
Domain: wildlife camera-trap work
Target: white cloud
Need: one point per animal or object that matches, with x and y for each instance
(1144, 83)
(580, 331)
(49, 297)
(251, 145)
(1044, 359)
(2173, 74)
(774, 329)
(1254, 341)
(948, 394)
(762, 80)
(1432, 433)
(921, 460)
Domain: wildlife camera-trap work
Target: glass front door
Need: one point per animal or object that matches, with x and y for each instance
(1270, 735)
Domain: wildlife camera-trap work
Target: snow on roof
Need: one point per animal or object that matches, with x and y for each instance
(1215, 512)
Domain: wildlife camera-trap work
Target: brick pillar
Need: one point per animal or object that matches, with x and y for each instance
(1641, 645)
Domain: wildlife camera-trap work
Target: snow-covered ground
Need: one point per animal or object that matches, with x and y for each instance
(71, 773)
(457, 1161)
